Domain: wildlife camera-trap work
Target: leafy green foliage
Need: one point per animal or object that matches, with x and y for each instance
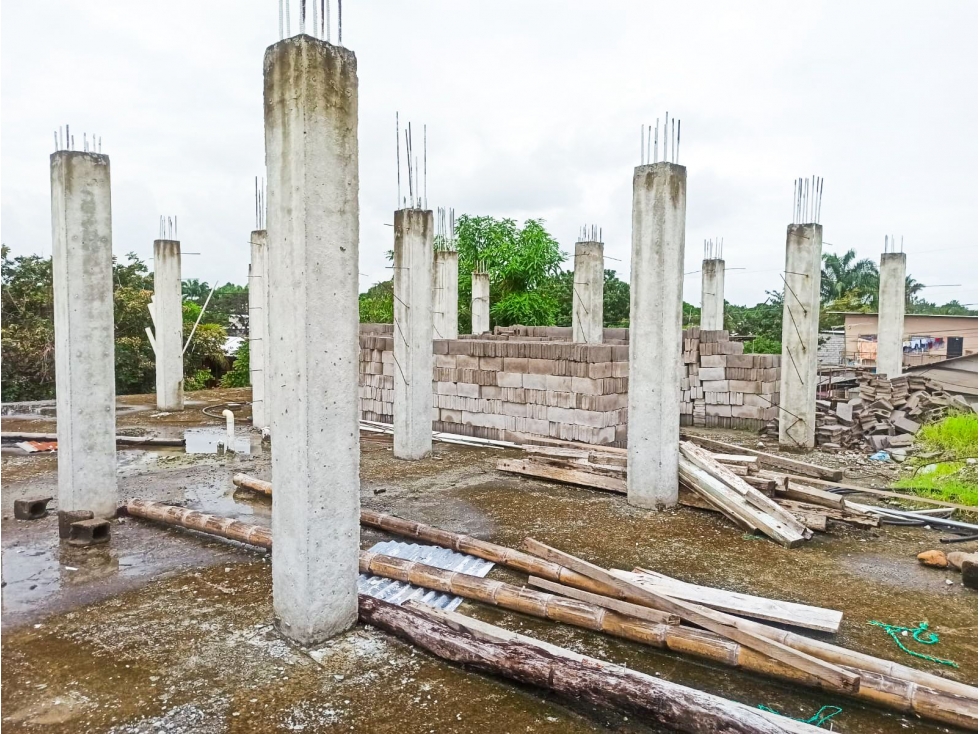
(951, 479)
(377, 304)
(200, 380)
(239, 375)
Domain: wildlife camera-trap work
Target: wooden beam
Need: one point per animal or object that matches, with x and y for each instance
(540, 470)
(607, 602)
(800, 467)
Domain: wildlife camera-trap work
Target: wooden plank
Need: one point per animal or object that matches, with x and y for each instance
(800, 467)
(814, 520)
(720, 623)
(557, 474)
(734, 459)
(606, 602)
(702, 458)
(830, 514)
(717, 496)
(733, 602)
(882, 493)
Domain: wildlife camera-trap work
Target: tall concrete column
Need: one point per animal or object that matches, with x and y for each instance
(587, 308)
(168, 322)
(890, 314)
(480, 303)
(258, 327)
(659, 212)
(313, 228)
(413, 229)
(445, 289)
(712, 295)
(800, 336)
(84, 353)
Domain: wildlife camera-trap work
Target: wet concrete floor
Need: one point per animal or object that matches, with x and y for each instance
(166, 630)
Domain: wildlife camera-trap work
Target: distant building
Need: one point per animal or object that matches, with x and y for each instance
(927, 338)
(832, 347)
(957, 375)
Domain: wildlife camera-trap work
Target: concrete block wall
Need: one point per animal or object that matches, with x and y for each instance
(723, 387)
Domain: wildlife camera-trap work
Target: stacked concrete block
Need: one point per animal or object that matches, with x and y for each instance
(724, 388)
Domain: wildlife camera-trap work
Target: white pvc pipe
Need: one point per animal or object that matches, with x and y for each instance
(229, 419)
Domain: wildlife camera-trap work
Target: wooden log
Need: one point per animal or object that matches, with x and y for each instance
(256, 485)
(890, 685)
(733, 602)
(780, 462)
(703, 459)
(670, 705)
(606, 602)
(723, 624)
(558, 474)
(225, 527)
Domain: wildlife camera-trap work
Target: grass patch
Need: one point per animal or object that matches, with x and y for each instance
(955, 435)
(948, 477)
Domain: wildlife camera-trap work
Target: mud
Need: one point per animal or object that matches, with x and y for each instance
(166, 630)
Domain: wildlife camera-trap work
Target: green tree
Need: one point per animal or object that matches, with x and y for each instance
(240, 373)
(762, 322)
(377, 304)
(843, 274)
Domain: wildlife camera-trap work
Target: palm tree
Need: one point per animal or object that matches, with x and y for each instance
(845, 274)
(195, 290)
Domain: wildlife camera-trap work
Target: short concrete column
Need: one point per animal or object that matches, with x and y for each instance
(659, 210)
(480, 303)
(313, 229)
(168, 323)
(712, 295)
(890, 314)
(258, 327)
(445, 290)
(84, 353)
(413, 230)
(800, 336)
(587, 308)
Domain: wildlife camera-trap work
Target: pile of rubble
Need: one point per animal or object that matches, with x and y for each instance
(879, 413)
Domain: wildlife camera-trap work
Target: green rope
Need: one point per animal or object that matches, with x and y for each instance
(917, 634)
(817, 719)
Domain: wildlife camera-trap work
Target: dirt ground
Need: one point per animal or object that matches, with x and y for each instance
(167, 630)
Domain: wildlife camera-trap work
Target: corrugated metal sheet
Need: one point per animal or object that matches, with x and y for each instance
(398, 592)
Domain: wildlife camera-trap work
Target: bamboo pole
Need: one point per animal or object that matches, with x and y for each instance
(956, 707)
(256, 485)
(673, 706)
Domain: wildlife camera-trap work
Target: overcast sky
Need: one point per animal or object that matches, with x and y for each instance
(533, 110)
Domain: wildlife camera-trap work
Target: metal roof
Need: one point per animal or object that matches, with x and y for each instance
(398, 592)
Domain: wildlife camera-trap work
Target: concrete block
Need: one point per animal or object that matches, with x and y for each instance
(541, 366)
(89, 532)
(724, 410)
(712, 373)
(491, 392)
(599, 370)
(467, 390)
(446, 388)
(535, 382)
(450, 416)
(467, 362)
(31, 509)
(560, 415)
(559, 383)
(620, 369)
(509, 379)
(745, 386)
(516, 364)
(493, 364)
(67, 517)
(589, 418)
(445, 361)
(586, 386)
(715, 385)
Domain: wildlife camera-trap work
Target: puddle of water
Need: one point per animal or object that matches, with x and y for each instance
(213, 440)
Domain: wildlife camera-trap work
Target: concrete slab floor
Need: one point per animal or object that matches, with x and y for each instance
(169, 630)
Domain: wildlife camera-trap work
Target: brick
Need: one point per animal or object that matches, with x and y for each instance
(515, 364)
(712, 373)
(560, 399)
(556, 382)
(745, 386)
(541, 366)
(446, 361)
(67, 517)
(715, 386)
(713, 360)
(724, 410)
(599, 370)
(620, 369)
(492, 392)
(589, 418)
(89, 532)
(586, 386)
(494, 364)
(535, 382)
(517, 410)
(560, 415)
(31, 509)
(748, 411)
(467, 390)
(467, 362)
(509, 379)
(446, 388)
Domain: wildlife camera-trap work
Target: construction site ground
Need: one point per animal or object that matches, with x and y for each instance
(168, 630)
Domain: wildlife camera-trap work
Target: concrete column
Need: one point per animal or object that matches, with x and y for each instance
(445, 289)
(313, 229)
(587, 309)
(168, 323)
(258, 327)
(890, 314)
(800, 336)
(480, 303)
(712, 295)
(659, 212)
(84, 354)
(413, 230)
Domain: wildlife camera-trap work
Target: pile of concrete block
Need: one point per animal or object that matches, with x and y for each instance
(724, 388)
(881, 413)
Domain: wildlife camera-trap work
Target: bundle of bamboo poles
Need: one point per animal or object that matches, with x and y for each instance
(610, 606)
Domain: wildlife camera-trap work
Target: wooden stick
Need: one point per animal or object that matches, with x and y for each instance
(606, 602)
(225, 527)
(800, 467)
(717, 622)
(667, 704)
(732, 602)
(881, 493)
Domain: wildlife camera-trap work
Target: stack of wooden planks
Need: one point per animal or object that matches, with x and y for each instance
(736, 485)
